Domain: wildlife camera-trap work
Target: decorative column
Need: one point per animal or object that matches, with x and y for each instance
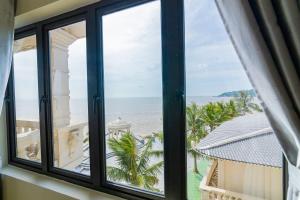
(60, 41)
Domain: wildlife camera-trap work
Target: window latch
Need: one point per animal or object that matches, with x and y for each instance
(96, 99)
(181, 97)
(43, 100)
(7, 99)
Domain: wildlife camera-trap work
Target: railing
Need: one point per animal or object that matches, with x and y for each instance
(28, 139)
(209, 192)
(24, 126)
(68, 142)
(69, 145)
(213, 193)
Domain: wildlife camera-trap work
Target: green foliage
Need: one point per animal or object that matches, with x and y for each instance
(201, 120)
(214, 114)
(133, 164)
(245, 103)
(195, 131)
(231, 109)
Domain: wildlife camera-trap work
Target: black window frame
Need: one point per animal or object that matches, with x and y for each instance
(110, 9)
(173, 93)
(47, 67)
(11, 115)
(173, 76)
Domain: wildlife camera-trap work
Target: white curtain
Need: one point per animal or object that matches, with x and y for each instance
(6, 42)
(266, 35)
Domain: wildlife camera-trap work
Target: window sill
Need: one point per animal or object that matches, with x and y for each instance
(59, 186)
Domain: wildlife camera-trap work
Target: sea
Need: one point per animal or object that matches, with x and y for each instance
(144, 114)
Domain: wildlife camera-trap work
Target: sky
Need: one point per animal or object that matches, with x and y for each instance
(132, 55)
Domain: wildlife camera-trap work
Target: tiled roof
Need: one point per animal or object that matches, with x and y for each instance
(248, 139)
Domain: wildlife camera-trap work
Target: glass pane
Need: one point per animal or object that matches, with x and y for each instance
(69, 98)
(27, 99)
(232, 151)
(133, 97)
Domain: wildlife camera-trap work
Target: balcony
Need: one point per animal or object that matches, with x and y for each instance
(69, 141)
(210, 191)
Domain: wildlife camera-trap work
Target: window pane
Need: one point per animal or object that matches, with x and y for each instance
(69, 98)
(27, 99)
(133, 97)
(232, 148)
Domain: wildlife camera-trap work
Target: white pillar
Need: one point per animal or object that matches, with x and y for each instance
(60, 41)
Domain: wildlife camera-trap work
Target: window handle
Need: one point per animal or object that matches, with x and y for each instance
(181, 97)
(43, 100)
(96, 99)
(7, 99)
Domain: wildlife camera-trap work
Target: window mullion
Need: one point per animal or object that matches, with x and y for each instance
(174, 98)
(42, 95)
(93, 96)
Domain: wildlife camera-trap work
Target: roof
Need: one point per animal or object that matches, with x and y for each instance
(118, 124)
(248, 139)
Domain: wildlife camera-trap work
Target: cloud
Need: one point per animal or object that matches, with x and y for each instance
(208, 44)
(133, 54)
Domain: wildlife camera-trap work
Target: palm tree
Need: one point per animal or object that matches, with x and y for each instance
(195, 132)
(231, 109)
(133, 164)
(214, 114)
(245, 103)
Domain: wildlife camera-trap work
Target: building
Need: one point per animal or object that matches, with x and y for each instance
(247, 160)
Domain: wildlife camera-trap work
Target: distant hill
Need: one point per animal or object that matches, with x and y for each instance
(235, 93)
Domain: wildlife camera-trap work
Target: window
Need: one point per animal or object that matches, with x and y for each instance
(27, 126)
(69, 98)
(229, 139)
(103, 97)
(133, 97)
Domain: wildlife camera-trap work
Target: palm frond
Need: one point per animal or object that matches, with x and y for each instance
(154, 169)
(255, 107)
(116, 174)
(156, 153)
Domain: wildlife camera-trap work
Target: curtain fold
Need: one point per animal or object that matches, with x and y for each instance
(6, 42)
(266, 34)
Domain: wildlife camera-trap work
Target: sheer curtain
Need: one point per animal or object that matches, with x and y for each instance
(266, 35)
(6, 42)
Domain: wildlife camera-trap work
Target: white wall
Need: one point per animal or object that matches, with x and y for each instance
(14, 189)
(257, 180)
(30, 11)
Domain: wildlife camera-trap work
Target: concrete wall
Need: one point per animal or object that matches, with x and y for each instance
(14, 189)
(30, 11)
(256, 180)
(24, 6)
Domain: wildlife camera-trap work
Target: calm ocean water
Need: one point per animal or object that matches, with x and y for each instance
(143, 113)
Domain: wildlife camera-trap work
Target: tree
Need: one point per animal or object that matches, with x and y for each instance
(214, 114)
(231, 109)
(245, 103)
(133, 164)
(195, 131)
(201, 120)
